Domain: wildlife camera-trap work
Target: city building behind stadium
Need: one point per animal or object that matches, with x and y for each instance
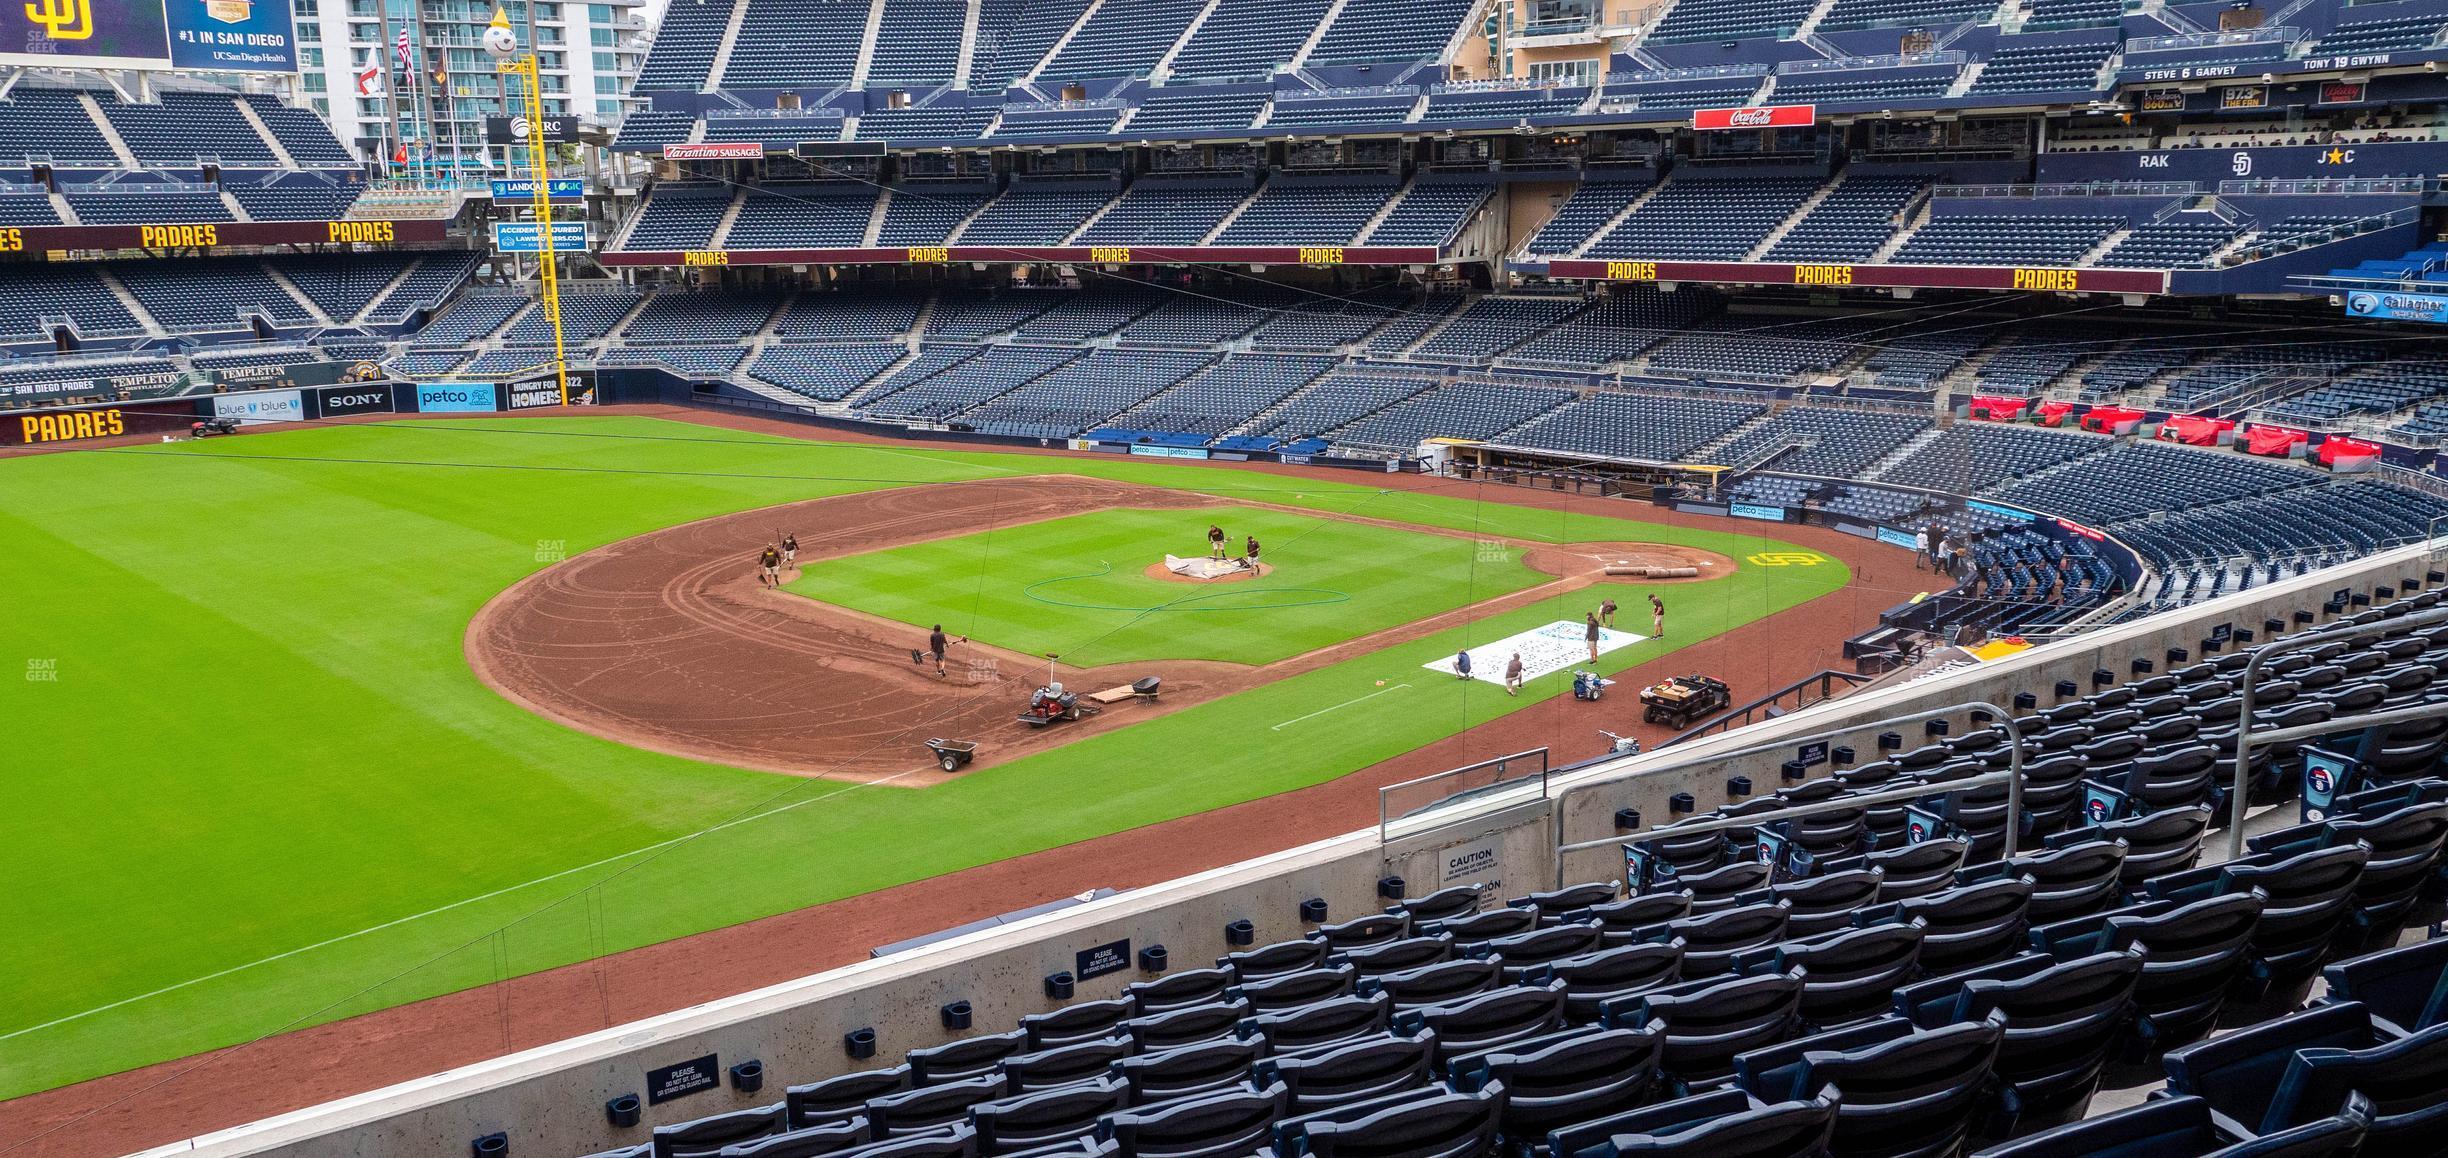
(1208, 578)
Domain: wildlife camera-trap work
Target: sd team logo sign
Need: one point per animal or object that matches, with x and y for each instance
(85, 33)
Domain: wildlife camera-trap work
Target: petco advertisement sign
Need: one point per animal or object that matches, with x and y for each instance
(455, 397)
(2432, 308)
(1770, 117)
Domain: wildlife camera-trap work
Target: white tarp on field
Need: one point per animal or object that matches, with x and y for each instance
(1559, 646)
(1205, 568)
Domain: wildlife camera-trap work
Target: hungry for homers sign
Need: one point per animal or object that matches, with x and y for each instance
(1556, 647)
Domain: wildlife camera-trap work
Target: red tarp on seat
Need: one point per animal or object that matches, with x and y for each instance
(2337, 448)
(2111, 419)
(2274, 441)
(2054, 413)
(1998, 409)
(2195, 430)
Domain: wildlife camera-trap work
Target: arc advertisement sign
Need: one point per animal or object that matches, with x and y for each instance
(204, 35)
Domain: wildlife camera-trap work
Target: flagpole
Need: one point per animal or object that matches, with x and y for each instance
(390, 92)
(433, 127)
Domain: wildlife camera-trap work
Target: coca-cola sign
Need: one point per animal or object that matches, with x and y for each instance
(1768, 117)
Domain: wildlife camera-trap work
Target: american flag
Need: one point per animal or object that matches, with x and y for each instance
(401, 50)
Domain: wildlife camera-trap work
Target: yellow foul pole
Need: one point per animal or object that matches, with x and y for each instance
(500, 41)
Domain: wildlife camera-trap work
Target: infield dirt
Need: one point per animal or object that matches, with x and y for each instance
(670, 642)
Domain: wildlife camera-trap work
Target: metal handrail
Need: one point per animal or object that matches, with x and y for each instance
(1386, 819)
(2014, 791)
(2246, 741)
(1725, 721)
(2014, 808)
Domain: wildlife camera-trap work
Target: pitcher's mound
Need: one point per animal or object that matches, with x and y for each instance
(1175, 569)
(1627, 560)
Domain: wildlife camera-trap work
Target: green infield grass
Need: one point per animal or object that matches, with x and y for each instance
(254, 786)
(1078, 585)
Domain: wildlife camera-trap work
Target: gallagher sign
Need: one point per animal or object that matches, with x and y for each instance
(2431, 308)
(1767, 117)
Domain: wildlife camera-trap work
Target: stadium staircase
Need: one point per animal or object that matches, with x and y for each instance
(722, 228)
(1705, 451)
(1054, 52)
(1384, 211)
(1920, 218)
(2115, 238)
(1965, 79)
(66, 213)
(1618, 219)
(314, 309)
(867, 45)
(229, 202)
(1101, 210)
(968, 45)
(110, 132)
(1810, 24)
(128, 300)
(875, 220)
(1317, 36)
(280, 152)
(1429, 334)
(1163, 67)
(1809, 205)
(1225, 222)
(722, 51)
(1910, 447)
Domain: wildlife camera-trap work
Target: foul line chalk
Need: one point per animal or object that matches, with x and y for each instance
(1337, 707)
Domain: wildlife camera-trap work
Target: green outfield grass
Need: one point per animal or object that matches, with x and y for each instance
(253, 785)
(1078, 585)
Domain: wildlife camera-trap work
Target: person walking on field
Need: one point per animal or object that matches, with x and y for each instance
(937, 645)
(769, 567)
(1921, 549)
(1215, 542)
(1657, 616)
(1606, 613)
(790, 550)
(1592, 634)
(1513, 675)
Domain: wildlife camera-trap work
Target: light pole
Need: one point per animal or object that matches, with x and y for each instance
(502, 44)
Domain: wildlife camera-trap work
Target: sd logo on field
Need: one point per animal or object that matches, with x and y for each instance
(1786, 559)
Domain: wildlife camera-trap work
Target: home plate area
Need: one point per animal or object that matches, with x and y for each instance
(1555, 647)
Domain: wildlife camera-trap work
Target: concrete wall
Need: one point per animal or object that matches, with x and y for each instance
(550, 1100)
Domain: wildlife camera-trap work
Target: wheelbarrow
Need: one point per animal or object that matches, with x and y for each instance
(951, 754)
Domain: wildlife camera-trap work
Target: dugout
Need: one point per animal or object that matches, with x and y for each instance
(1586, 474)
